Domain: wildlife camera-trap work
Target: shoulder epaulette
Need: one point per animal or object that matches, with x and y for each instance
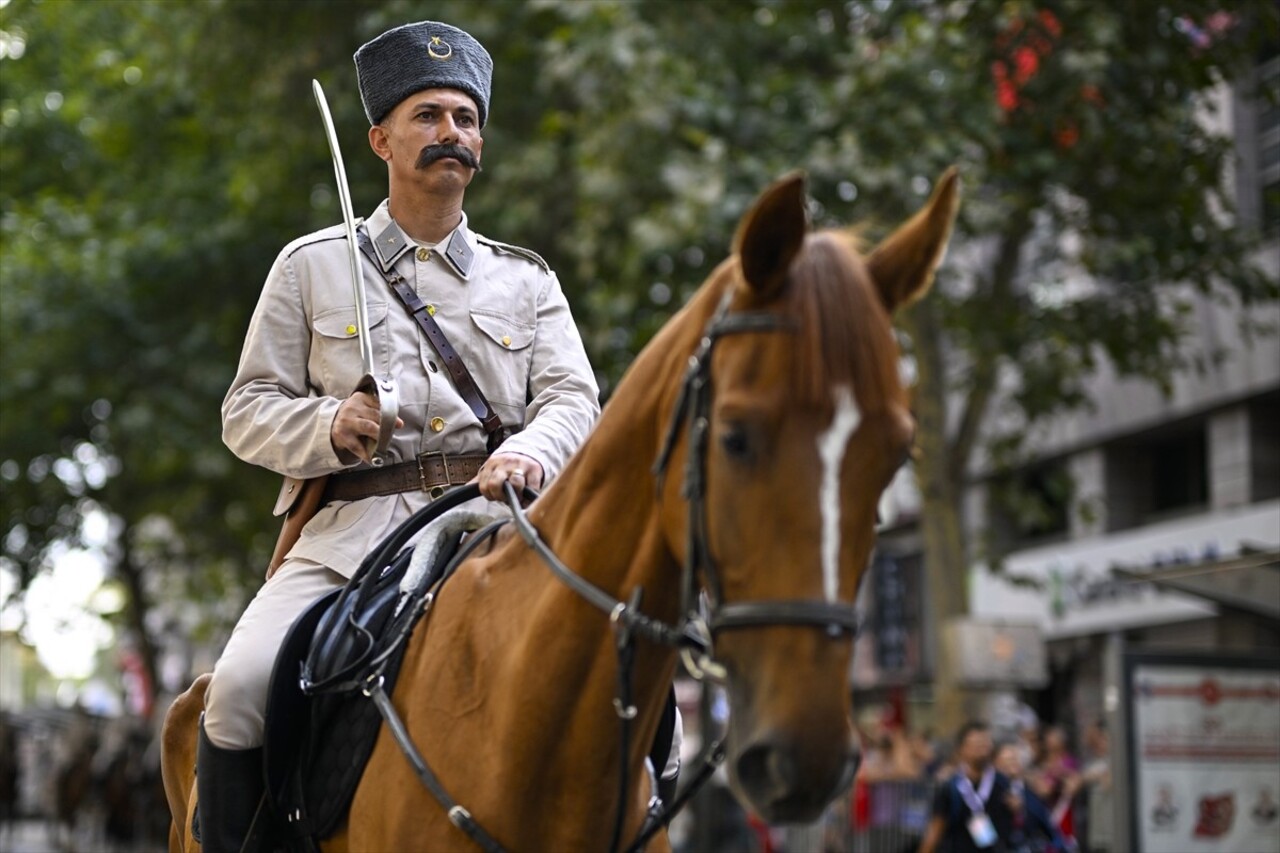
(507, 248)
(333, 232)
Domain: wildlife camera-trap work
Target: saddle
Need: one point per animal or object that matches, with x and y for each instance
(320, 726)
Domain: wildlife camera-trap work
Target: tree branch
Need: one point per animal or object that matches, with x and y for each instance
(987, 350)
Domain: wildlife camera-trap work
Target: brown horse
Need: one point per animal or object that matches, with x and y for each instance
(799, 420)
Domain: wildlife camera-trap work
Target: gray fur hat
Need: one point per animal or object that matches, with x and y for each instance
(425, 55)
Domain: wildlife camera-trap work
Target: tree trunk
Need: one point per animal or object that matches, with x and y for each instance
(138, 606)
(945, 548)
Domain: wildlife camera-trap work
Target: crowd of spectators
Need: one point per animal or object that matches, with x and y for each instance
(1020, 788)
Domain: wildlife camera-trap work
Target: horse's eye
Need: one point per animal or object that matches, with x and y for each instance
(735, 442)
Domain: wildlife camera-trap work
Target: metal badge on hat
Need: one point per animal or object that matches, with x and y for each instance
(439, 48)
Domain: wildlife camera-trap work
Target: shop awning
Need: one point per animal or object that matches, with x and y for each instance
(1249, 581)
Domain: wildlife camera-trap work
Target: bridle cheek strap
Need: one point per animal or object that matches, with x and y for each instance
(694, 406)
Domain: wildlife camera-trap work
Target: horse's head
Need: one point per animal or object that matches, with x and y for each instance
(806, 421)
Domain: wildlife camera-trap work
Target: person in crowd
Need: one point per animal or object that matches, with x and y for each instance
(1033, 827)
(1096, 778)
(888, 754)
(889, 768)
(1028, 739)
(1055, 778)
(10, 774)
(971, 810)
(925, 752)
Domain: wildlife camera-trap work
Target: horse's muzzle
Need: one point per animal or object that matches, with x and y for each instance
(784, 785)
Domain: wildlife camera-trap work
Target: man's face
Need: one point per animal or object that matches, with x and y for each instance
(1006, 761)
(976, 749)
(1055, 740)
(431, 140)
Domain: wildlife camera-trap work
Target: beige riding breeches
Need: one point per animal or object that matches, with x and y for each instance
(236, 702)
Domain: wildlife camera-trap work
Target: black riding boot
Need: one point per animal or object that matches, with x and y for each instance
(231, 812)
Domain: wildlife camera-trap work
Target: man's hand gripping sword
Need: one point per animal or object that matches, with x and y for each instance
(381, 388)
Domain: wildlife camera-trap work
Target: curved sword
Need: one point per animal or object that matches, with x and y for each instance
(382, 388)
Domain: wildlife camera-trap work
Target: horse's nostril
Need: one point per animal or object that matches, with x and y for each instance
(751, 766)
(767, 772)
(786, 783)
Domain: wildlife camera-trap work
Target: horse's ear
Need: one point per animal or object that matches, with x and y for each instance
(902, 266)
(770, 235)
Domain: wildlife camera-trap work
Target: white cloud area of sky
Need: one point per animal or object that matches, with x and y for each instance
(57, 615)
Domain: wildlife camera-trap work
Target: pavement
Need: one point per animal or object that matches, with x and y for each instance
(27, 836)
(38, 836)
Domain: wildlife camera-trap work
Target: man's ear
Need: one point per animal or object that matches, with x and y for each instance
(379, 142)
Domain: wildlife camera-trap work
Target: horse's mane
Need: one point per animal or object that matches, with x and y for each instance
(845, 333)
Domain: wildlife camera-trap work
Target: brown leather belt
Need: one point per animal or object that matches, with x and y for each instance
(431, 472)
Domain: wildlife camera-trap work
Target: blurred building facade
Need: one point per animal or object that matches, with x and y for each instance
(1157, 517)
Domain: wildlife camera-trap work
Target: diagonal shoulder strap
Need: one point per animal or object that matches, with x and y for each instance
(462, 379)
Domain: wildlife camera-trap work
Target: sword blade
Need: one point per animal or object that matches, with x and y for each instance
(383, 388)
(349, 220)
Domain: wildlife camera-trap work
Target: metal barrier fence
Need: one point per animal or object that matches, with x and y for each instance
(881, 817)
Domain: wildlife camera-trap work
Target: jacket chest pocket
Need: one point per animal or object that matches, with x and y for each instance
(335, 347)
(504, 349)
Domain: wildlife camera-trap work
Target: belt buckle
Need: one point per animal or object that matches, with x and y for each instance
(437, 491)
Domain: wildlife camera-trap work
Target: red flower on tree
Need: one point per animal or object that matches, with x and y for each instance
(1026, 62)
(1027, 42)
(1050, 22)
(1006, 96)
(1006, 92)
(1067, 135)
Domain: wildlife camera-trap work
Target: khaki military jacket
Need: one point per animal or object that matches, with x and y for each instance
(501, 307)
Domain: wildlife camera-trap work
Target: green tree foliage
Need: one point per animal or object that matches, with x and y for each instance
(138, 213)
(155, 157)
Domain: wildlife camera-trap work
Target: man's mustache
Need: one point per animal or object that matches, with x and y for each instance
(432, 153)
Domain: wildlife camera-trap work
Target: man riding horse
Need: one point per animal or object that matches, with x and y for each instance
(663, 538)
(291, 409)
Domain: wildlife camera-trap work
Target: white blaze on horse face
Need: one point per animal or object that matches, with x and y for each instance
(832, 445)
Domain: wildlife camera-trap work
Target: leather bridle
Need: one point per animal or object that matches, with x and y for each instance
(693, 407)
(704, 613)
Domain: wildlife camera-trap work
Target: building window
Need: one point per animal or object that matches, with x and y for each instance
(1256, 111)
(1269, 143)
(1264, 448)
(1157, 475)
(1179, 473)
(1032, 505)
(896, 585)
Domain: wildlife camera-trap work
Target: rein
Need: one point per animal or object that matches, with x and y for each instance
(692, 636)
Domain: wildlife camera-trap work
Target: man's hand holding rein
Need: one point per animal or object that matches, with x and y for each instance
(501, 467)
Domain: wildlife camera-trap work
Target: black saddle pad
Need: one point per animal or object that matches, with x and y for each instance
(317, 745)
